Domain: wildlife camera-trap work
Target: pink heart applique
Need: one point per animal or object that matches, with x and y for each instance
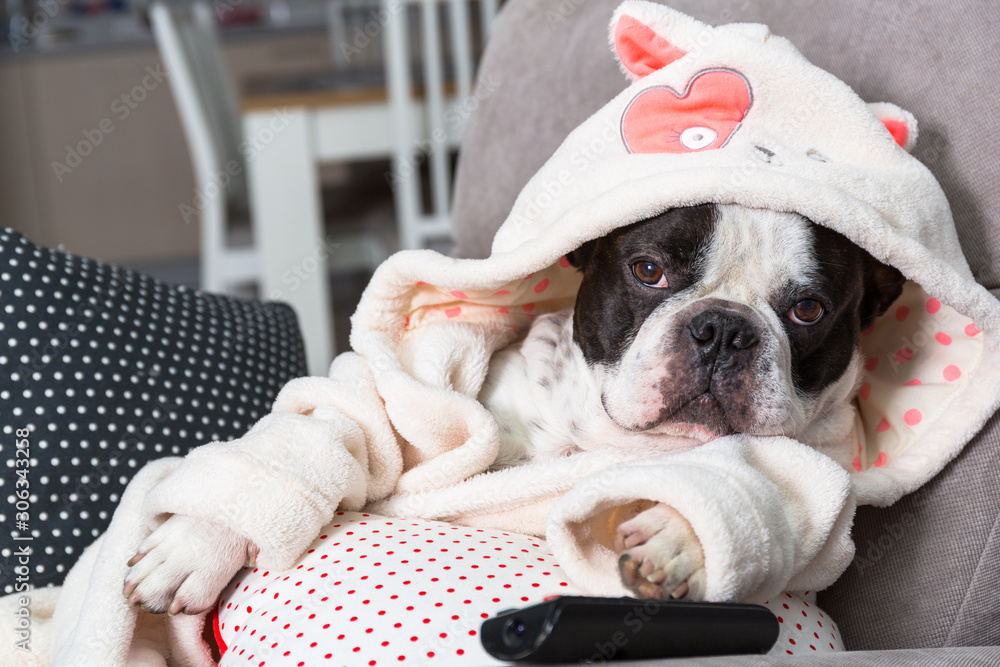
(704, 117)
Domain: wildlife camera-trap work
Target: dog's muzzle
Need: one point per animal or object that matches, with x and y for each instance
(706, 370)
(717, 363)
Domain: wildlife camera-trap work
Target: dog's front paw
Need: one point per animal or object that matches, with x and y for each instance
(660, 557)
(184, 565)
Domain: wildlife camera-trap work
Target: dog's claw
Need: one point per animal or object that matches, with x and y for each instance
(176, 607)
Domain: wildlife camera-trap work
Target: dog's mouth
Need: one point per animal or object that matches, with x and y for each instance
(703, 410)
(708, 405)
(700, 417)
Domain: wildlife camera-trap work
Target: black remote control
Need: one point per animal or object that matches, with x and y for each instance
(572, 629)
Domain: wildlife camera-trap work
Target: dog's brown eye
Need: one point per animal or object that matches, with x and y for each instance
(806, 312)
(649, 274)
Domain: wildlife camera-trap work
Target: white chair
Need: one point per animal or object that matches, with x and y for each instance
(214, 128)
(207, 104)
(287, 226)
(427, 121)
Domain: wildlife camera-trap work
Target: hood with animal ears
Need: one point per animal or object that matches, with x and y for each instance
(730, 115)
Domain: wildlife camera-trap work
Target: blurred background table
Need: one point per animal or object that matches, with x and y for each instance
(316, 207)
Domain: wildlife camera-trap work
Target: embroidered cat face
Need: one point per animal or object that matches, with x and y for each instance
(713, 104)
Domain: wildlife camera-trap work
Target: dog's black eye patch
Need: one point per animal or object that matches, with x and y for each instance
(581, 255)
(857, 287)
(613, 301)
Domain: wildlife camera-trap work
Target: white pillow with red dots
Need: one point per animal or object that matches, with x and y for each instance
(375, 590)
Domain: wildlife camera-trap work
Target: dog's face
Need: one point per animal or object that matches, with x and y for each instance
(711, 320)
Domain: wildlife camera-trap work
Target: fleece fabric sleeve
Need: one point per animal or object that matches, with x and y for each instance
(327, 444)
(771, 515)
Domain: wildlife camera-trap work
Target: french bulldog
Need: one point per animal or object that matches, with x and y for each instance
(697, 323)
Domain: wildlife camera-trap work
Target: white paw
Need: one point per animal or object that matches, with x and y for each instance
(660, 556)
(184, 566)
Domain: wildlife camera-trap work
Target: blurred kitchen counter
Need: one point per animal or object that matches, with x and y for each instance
(126, 26)
(94, 156)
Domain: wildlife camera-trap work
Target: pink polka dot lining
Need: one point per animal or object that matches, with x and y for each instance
(916, 359)
(548, 290)
(912, 417)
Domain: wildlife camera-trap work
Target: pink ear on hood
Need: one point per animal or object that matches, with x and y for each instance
(900, 123)
(640, 50)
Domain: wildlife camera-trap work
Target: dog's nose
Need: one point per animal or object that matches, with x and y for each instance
(719, 334)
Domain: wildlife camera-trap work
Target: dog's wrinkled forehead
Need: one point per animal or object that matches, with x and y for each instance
(752, 256)
(730, 248)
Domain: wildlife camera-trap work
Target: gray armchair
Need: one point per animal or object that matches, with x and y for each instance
(925, 585)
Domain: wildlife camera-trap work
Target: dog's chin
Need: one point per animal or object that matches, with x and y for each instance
(691, 431)
(702, 418)
(704, 414)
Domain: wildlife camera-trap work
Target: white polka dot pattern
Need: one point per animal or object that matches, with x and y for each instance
(374, 590)
(109, 369)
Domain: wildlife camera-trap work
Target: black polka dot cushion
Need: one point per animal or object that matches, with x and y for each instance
(105, 369)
